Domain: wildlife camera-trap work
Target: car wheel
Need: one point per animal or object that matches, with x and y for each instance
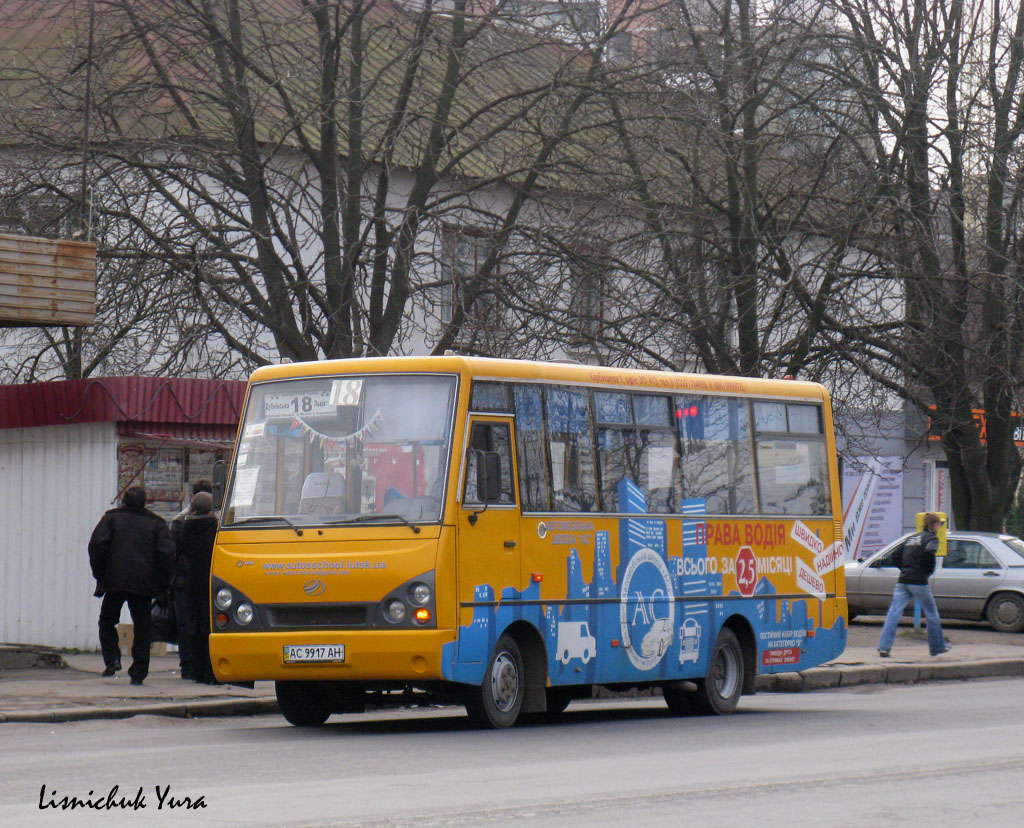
(1005, 612)
(499, 698)
(303, 703)
(719, 692)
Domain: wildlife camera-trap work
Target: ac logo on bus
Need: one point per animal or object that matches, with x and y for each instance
(647, 609)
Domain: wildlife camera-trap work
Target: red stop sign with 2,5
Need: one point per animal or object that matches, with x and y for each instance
(746, 571)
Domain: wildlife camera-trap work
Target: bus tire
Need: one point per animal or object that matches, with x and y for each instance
(303, 703)
(499, 698)
(719, 692)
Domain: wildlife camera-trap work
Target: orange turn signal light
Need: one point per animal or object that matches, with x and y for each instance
(222, 619)
(422, 615)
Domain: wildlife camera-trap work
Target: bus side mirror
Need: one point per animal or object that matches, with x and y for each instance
(488, 477)
(220, 478)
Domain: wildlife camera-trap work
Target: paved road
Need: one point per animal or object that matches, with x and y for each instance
(936, 754)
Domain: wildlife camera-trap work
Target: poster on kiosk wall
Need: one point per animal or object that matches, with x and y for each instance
(872, 504)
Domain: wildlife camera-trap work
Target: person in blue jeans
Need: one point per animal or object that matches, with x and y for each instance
(916, 567)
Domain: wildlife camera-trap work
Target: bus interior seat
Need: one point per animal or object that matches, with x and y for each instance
(323, 493)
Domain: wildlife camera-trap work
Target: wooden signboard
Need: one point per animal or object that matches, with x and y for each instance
(46, 281)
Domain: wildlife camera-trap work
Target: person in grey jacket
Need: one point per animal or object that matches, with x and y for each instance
(132, 557)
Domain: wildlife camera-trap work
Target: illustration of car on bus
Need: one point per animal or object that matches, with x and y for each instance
(657, 639)
(575, 641)
(689, 641)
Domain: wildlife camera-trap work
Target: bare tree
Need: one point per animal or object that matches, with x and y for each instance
(308, 166)
(733, 148)
(943, 101)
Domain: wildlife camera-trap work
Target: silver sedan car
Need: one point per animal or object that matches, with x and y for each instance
(980, 578)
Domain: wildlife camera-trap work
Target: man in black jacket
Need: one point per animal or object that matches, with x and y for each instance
(195, 546)
(132, 557)
(180, 584)
(916, 566)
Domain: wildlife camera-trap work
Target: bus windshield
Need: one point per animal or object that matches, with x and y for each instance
(334, 449)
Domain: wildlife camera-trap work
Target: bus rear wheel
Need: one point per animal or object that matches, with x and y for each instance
(719, 692)
(499, 698)
(303, 703)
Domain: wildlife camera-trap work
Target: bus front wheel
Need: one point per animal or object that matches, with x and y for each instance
(303, 703)
(719, 692)
(499, 698)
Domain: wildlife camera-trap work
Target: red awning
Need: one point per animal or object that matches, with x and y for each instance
(181, 407)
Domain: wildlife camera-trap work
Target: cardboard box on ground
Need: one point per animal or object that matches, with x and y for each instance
(126, 635)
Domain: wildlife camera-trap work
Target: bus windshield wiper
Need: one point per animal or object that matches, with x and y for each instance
(267, 518)
(375, 516)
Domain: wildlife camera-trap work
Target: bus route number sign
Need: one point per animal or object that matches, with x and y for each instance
(746, 571)
(278, 406)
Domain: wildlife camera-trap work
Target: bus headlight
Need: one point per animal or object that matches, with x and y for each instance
(419, 594)
(223, 598)
(244, 614)
(396, 610)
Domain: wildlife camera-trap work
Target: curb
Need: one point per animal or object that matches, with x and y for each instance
(825, 678)
(29, 659)
(180, 710)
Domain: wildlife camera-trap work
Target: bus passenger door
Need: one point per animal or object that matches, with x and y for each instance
(488, 556)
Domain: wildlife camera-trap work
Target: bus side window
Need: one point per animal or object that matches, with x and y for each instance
(533, 467)
(717, 465)
(489, 439)
(570, 449)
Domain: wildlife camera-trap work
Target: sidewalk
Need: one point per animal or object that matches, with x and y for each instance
(44, 685)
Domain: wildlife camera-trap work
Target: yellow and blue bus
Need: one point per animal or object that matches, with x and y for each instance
(511, 534)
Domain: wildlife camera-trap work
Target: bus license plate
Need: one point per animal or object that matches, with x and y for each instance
(313, 652)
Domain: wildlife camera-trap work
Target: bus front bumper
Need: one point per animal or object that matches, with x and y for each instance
(379, 655)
